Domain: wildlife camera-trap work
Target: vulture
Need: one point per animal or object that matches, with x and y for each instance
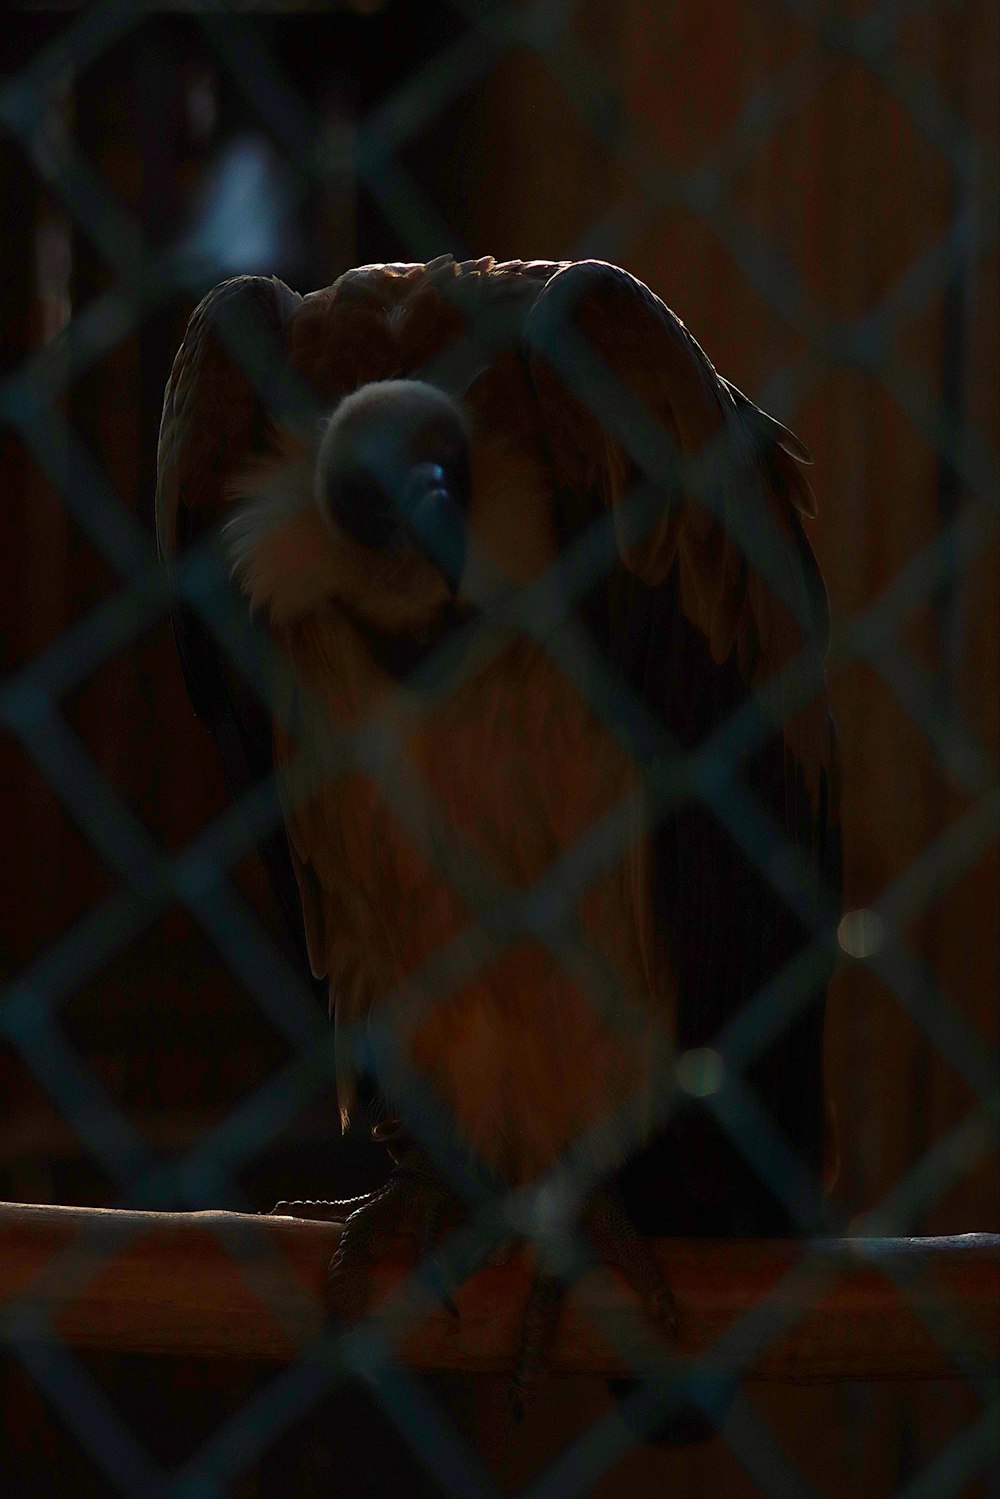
(541, 686)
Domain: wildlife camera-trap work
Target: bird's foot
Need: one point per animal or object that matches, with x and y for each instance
(539, 1322)
(415, 1203)
(619, 1247)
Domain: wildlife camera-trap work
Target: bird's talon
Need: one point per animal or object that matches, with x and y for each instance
(411, 1204)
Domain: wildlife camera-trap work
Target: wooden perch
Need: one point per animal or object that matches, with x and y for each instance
(229, 1285)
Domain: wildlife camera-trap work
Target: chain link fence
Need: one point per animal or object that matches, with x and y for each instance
(302, 162)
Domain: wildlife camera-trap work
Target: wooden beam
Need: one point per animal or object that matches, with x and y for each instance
(230, 1285)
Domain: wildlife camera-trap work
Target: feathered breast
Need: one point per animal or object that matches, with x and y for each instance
(508, 788)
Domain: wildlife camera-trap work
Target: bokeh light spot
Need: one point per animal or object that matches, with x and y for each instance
(861, 933)
(700, 1072)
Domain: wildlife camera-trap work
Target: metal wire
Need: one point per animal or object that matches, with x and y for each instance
(32, 707)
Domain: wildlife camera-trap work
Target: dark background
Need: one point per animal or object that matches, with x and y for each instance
(813, 189)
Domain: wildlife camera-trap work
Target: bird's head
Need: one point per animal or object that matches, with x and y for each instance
(374, 516)
(393, 472)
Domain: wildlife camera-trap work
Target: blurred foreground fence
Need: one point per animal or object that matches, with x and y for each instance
(814, 189)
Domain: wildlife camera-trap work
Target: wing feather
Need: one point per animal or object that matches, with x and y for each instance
(714, 604)
(215, 422)
(696, 477)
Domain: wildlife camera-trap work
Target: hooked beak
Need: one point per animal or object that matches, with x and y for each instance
(434, 519)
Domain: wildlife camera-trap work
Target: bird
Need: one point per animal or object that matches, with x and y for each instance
(545, 702)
